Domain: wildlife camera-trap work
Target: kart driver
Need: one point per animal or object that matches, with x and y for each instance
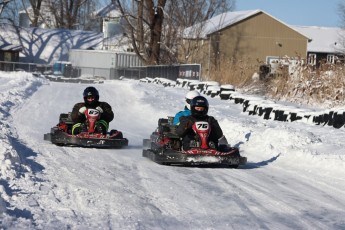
(186, 112)
(91, 100)
(199, 109)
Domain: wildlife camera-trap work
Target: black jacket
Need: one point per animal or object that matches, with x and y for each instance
(107, 114)
(185, 127)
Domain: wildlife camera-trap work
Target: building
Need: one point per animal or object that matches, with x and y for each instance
(326, 44)
(252, 36)
(9, 55)
(102, 63)
(109, 20)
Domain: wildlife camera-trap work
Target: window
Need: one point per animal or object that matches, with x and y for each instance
(312, 59)
(330, 58)
(7, 56)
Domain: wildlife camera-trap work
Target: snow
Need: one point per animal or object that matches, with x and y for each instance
(223, 20)
(293, 178)
(45, 46)
(217, 23)
(323, 39)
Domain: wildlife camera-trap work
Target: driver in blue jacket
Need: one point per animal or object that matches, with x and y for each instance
(186, 112)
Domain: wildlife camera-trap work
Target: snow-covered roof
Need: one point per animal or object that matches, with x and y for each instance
(221, 21)
(201, 30)
(48, 45)
(111, 10)
(10, 47)
(323, 39)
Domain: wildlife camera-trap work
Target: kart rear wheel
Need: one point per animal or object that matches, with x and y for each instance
(233, 166)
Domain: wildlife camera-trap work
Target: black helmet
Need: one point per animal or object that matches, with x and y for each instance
(199, 101)
(91, 91)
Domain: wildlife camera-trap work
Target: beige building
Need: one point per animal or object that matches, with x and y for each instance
(252, 36)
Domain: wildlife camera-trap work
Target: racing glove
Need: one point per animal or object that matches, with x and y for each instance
(82, 110)
(99, 109)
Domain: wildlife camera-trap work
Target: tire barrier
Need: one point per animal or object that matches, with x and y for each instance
(259, 106)
(225, 91)
(72, 80)
(159, 81)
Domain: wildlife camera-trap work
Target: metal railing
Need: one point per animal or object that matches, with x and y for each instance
(171, 72)
(23, 66)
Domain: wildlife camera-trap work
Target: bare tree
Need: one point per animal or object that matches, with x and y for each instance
(9, 11)
(156, 27)
(341, 13)
(68, 14)
(65, 12)
(144, 27)
(194, 18)
(33, 7)
(3, 5)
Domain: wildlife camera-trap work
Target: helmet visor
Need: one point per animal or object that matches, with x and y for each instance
(90, 98)
(199, 108)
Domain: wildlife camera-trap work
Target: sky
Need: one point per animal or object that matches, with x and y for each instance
(293, 178)
(297, 12)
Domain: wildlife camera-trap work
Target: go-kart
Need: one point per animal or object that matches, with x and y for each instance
(61, 134)
(166, 147)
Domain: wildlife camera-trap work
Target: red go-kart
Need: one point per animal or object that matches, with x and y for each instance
(61, 134)
(165, 147)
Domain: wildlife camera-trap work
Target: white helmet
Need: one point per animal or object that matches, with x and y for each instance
(189, 97)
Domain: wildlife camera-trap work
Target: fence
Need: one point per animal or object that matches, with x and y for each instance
(171, 72)
(23, 66)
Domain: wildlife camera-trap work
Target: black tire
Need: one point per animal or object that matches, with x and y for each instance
(65, 117)
(146, 143)
(47, 137)
(144, 153)
(113, 131)
(163, 121)
(233, 166)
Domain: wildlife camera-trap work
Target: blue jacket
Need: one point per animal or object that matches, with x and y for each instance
(185, 112)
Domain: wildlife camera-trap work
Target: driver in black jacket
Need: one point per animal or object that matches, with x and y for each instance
(199, 109)
(91, 100)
